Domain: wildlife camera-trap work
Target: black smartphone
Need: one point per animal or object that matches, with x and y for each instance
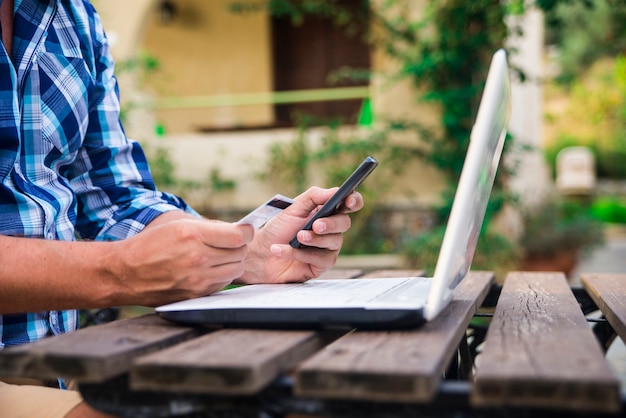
(334, 203)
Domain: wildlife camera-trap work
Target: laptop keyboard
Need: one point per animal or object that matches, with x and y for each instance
(410, 291)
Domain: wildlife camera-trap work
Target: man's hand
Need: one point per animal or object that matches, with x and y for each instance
(182, 258)
(177, 256)
(272, 260)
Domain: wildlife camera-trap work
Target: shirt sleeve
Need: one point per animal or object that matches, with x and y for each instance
(116, 195)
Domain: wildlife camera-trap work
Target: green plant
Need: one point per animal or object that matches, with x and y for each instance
(288, 163)
(560, 226)
(142, 67)
(494, 252)
(220, 184)
(595, 116)
(583, 32)
(161, 167)
(609, 209)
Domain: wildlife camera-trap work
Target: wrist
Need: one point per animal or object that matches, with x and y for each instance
(254, 265)
(113, 271)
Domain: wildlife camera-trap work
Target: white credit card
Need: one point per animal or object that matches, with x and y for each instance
(259, 216)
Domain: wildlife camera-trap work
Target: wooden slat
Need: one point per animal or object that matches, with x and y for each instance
(608, 291)
(92, 354)
(395, 365)
(540, 351)
(224, 362)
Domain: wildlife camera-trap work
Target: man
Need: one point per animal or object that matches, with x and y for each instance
(67, 170)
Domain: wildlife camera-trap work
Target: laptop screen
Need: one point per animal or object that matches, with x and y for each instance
(475, 184)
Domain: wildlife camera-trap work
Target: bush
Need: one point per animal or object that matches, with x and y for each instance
(557, 226)
(494, 252)
(594, 117)
(609, 209)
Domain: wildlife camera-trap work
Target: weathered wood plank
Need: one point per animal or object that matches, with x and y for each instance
(92, 354)
(608, 291)
(396, 365)
(540, 351)
(224, 362)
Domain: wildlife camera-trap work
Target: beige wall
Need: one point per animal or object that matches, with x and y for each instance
(207, 50)
(124, 22)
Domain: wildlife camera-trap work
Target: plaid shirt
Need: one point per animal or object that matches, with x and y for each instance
(66, 167)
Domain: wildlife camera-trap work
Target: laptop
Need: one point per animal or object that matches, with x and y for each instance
(379, 303)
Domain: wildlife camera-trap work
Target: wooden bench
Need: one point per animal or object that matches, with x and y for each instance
(609, 293)
(540, 351)
(539, 354)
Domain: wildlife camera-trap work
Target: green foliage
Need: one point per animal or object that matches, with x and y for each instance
(159, 159)
(162, 168)
(610, 160)
(219, 183)
(584, 31)
(343, 14)
(142, 67)
(288, 163)
(447, 53)
(595, 117)
(494, 252)
(560, 225)
(609, 209)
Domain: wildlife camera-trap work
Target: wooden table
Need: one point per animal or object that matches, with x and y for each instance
(539, 357)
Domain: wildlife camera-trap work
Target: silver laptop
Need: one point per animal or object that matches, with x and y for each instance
(379, 303)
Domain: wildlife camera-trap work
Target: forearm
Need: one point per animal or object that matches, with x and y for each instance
(177, 256)
(38, 274)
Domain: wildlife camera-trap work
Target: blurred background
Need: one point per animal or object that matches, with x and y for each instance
(237, 100)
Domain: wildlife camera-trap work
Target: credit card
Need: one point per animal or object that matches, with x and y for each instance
(262, 214)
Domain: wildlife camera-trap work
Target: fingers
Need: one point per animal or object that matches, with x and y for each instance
(180, 259)
(222, 234)
(315, 197)
(326, 233)
(353, 203)
(317, 260)
(272, 259)
(223, 247)
(310, 200)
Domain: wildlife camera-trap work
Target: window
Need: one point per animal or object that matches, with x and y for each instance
(305, 55)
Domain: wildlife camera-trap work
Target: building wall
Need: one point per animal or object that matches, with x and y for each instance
(207, 50)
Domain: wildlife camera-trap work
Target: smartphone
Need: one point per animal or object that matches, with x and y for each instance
(334, 203)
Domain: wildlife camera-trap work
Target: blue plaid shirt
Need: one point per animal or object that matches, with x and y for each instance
(66, 167)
